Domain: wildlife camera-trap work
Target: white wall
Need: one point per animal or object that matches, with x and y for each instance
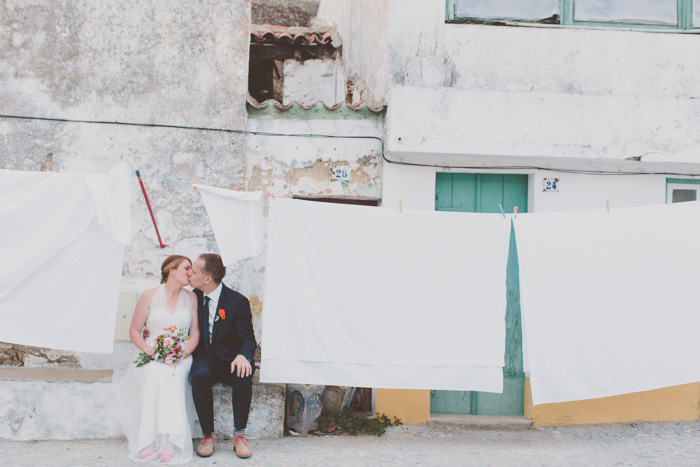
(312, 81)
(414, 187)
(362, 27)
(539, 91)
(145, 61)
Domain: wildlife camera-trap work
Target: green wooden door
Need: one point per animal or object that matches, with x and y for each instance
(483, 193)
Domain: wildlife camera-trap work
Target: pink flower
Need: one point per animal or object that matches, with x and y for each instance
(168, 341)
(168, 360)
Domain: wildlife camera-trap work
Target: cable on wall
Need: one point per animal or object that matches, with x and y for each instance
(318, 135)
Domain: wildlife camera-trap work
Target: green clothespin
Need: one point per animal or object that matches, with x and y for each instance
(400, 208)
(607, 203)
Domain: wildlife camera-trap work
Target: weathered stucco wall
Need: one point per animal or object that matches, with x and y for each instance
(362, 26)
(537, 91)
(311, 81)
(298, 166)
(176, 62)
(301, 167)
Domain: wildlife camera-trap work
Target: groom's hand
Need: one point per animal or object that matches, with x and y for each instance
(241, 366)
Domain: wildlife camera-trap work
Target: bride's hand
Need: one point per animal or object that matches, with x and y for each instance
(150, 350)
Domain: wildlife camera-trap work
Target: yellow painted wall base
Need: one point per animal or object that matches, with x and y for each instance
(668, 404)
(409, 405)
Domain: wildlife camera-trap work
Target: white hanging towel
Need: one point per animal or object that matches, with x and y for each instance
(237, 220)
(610, 301)
(62, 243)
(363, 296)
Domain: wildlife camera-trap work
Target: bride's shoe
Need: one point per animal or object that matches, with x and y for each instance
(166, 452)
(146, 453)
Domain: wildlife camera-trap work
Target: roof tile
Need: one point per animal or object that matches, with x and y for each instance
(321, 35)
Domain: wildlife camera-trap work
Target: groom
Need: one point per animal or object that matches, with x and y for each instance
(224, 354)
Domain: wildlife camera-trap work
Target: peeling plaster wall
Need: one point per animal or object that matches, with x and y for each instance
(290, 167)
(148, 61)
(362, 26)
(314, 80)
(540, 92)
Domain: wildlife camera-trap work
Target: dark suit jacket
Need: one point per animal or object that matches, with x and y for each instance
(231, 335)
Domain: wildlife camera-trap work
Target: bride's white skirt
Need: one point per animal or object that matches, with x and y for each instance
(156, 410)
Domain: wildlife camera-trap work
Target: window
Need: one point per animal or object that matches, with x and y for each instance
(271, 46)
(679, 190)
(648, 14)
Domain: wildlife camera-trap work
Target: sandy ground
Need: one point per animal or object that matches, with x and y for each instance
(638, 444)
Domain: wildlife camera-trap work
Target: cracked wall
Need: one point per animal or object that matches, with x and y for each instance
(175, 63)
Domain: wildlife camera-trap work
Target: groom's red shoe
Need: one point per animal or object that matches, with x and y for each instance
(241, 447)
(206, 447)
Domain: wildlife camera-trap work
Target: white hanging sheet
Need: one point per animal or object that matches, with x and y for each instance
(62, 242)
(363, 296)
(610, 301)
(237, 220)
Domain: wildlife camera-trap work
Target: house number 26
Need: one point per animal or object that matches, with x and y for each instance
(341, 172)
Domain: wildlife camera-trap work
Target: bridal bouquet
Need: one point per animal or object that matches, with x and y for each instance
(170, 348)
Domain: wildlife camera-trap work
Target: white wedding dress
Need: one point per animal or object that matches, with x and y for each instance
(155, 401)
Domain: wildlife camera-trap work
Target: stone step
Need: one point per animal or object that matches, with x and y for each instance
(479, 422)
(67, 403)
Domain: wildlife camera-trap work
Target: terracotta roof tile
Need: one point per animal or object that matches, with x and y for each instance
(261, 33)
(271, 102)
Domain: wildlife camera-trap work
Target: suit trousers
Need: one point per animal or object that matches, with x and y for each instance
(206, 372)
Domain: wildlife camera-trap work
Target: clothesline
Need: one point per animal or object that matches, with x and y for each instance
(609, 300)
(209, 202)
(267, 193)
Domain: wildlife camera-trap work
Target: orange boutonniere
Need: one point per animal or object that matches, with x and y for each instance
(222, 314)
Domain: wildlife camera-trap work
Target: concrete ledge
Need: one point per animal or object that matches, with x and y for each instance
(479, 422)
(75, 375)
(71, 403)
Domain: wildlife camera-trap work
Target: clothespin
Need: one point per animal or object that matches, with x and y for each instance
(502, 213)
(607, 203)
(516, 211)
(400, 208)
(270, 194)
(195, 182)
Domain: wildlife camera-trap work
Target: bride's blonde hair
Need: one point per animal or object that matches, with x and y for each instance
(170, 263)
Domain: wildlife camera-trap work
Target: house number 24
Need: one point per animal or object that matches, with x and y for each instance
(551, 184)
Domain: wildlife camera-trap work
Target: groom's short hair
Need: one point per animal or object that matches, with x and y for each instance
(213, 266)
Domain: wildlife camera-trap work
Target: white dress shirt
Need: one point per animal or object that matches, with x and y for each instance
(213, 302)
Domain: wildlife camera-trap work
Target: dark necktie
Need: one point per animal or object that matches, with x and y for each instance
(207, 337)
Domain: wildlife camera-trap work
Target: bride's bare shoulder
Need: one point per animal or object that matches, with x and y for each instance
(146, 298)
(149, 293)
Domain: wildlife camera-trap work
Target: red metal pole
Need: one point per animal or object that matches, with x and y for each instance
(148, 203)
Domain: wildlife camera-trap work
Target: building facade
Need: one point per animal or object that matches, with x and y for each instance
(547, 106)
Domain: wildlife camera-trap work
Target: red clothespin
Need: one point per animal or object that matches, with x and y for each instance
(195, 181)
(516, 211)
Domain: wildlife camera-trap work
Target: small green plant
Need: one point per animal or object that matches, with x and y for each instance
(356, 424)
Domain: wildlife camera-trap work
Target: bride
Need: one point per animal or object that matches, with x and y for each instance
(155, 400)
